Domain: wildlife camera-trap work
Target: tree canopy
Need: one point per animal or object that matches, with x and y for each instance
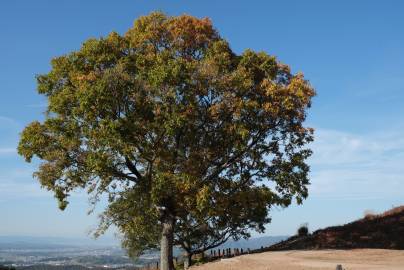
(183, 134)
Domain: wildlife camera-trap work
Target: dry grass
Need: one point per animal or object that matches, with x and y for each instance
(393, 211)
(358, 259)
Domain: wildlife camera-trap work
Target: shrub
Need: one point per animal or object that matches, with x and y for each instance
(369, 214)
(303, 230)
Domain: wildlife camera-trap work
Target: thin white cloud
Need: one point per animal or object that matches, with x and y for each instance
(38, 105)
(19, 183)
(346, 165)
(9, 134)
(9, 122)
(12, 190)
(8, 150)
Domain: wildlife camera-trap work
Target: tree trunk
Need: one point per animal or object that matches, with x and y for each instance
(166, 245)
(188, 260)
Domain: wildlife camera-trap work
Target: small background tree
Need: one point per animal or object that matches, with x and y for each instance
(303, 230)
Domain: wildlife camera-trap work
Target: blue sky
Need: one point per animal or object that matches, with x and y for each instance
(351, 51)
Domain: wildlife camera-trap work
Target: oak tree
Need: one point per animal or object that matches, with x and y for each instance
(182, 133)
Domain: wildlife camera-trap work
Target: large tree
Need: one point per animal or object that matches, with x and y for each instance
(176, 128)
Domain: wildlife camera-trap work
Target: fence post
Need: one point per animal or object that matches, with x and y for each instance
(241, 251)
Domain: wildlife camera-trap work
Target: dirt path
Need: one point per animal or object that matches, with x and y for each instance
(360, 259)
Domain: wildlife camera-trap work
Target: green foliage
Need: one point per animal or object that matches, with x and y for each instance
(168, 120)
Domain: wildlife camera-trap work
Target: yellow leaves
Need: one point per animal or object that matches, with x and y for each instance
(60, 64)
(301, 88)
(298, 94)
(220, 53)
(272, 106)
(203, 198)
(115, 41)
(85, 78)
(214, 110)
(294, 96)
(208, 70)
(33, 141)
(270, 87)
(241, 78)
(244, 132)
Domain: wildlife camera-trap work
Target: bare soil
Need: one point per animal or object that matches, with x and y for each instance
(357, 259)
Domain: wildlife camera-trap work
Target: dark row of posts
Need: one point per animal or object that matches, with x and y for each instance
(214, 254)
(228, 252)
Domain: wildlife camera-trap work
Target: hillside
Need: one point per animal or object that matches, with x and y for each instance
(384, 231)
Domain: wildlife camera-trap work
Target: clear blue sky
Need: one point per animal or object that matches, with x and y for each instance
(351, 51)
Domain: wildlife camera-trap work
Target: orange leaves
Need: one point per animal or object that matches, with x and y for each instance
(184, 34)
(90, 77)
(189, 32)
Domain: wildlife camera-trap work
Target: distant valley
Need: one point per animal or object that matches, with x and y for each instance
(38, 253)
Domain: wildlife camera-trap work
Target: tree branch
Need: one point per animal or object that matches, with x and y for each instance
(133, 169)
(234, 158)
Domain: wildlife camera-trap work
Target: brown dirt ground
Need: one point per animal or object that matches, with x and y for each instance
(358, 259)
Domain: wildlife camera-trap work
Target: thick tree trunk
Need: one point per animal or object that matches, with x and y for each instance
(188, 260)
(166, 245)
